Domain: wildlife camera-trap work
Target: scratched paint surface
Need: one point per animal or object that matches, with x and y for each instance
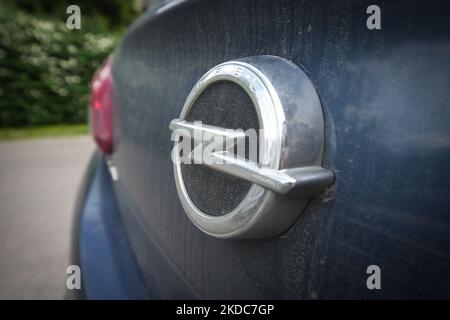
(385, 95)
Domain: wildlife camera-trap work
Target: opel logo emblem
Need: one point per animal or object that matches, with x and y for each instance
(260, 191)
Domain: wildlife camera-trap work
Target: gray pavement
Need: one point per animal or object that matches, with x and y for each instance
(38, 184)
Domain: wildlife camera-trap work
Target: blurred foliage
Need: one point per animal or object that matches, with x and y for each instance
(45, 68)
(98, 15)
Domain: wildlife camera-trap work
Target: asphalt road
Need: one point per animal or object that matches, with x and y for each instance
(38, 184)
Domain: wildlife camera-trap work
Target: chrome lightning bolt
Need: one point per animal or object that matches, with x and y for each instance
(305, 181)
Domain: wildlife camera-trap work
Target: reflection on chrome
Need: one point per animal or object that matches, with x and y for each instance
(212, 147)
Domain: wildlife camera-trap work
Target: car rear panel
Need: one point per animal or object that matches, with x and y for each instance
(385, 98)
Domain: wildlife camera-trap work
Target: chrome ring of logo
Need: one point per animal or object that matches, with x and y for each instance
(278, 194)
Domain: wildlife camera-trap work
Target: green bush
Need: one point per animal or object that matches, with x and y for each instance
(46, 69)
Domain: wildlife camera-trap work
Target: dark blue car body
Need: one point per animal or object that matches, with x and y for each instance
(386, 99)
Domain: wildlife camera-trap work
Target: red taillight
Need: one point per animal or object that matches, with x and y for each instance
(102, 105)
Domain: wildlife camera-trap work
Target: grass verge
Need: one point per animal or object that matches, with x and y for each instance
(44, 131)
